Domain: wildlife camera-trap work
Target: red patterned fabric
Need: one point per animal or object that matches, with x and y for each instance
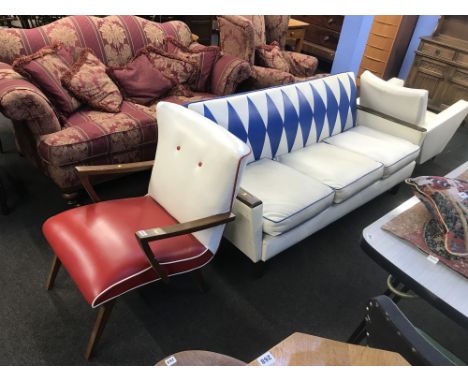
(96, 244)
(301, 65)
(228, 72)
(202, 57)
(172, 66)
(140, 82)
(267, 77)
(20, 100)
(114, 39)
(271, 56)
(88, 80)
(236, 37)
(46, 68)
(276, 29)
(89, 134)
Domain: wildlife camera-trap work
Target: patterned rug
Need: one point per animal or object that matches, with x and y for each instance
(416, 226)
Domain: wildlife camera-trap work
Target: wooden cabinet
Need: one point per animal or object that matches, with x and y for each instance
(321, 36)
(200, 25)
(441, 63)
(387, 43)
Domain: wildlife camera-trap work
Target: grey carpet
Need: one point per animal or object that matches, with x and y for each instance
(319, 286)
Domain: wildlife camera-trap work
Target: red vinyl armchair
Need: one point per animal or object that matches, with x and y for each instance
(112, 247)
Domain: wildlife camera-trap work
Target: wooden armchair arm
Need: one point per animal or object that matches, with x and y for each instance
(248, 199)
(84, 172)
(390, 118)
(145, 236)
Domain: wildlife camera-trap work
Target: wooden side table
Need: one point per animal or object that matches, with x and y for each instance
(300, 349)
(296, 33)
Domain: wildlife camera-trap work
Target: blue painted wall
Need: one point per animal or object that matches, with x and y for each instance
(424, 27)
(352, 43)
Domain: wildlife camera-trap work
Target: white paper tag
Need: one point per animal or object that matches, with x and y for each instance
(463, 195)
(433, 259)
(266, 359)
(170, 361)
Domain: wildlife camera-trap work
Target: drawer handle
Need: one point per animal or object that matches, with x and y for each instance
(437, 52)
(326, 38)
(330, 20)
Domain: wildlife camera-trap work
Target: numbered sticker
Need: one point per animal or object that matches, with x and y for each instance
(170, 361)
(266, 359)
(433, 259)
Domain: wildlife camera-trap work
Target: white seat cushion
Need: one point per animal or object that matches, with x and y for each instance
(289, 197)
(393, 152)
(343, 170)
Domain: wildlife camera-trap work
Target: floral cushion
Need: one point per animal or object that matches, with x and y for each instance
(172, 66)
(140, 81)
(271, 56)
(46, 68)
(87, 79)
(202, 57)
(447, 201)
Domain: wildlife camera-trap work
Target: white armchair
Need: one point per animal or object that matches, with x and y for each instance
(403, 112)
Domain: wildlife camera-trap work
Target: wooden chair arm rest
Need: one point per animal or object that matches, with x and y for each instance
(390, 118)
(145, 236)
(84, 172)
(248, 199)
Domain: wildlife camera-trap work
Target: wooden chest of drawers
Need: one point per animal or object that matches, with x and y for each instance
(321, 36)
(386, 45)
(441, 63)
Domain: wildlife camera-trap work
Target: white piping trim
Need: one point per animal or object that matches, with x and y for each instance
(93, 304)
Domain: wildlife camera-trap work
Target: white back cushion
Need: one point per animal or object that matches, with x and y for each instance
(403, 103)
(197, 168)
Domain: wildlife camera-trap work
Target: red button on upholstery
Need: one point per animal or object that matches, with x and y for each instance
(97, 245)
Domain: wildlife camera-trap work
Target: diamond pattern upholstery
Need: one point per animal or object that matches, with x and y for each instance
(279, 120)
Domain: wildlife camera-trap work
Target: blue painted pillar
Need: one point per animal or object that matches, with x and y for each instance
(424, 27)
(352, 43)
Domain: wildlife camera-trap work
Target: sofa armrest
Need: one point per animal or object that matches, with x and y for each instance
(248, 199)
(228, 72)
(262, 78)
(389, 125)
(301, 65)
(236, 37)
(20, 100)
(441, 128)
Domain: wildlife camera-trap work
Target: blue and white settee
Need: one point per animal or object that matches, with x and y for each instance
(314, 159)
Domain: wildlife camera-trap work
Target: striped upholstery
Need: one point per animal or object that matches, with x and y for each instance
(114, 39)
(279, 120)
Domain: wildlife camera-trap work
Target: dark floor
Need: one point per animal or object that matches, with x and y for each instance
(320, 286)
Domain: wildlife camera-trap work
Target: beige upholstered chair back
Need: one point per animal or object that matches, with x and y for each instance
(197, 168)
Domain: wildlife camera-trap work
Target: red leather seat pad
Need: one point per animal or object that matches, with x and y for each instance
(97, 245)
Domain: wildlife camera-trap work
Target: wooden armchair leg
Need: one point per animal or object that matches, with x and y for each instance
(197, 276)
(101, 320)
(56, 263)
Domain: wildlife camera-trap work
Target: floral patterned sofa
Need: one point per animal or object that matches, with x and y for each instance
(89, 136)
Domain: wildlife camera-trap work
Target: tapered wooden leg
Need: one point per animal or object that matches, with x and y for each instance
(101, 320)
(56, 263)
(197, 276)
(259, 269)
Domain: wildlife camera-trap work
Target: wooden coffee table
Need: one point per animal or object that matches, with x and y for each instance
(300, 349)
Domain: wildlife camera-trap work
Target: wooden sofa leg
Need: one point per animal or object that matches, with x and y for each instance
(56, 263)
(101, 320)
(71, 198)
(197, 276)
